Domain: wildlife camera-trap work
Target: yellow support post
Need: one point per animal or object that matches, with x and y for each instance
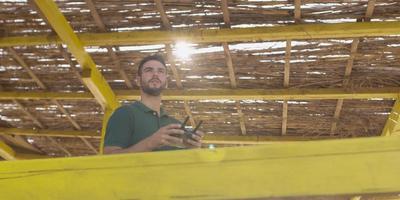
(6, 151)
(291, 32)
(332, 167)
(392, 125)
(93, 79)
(106, 117)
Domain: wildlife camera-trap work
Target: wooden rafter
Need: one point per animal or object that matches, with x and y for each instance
(229, 64)
(25, 66)
(67, 58)
(19, 140)
(91, 75)
(297, 11)
(167, 26)
(349, 66)
(111, 52)
(75, 124)
(286, 74)
(164, 18)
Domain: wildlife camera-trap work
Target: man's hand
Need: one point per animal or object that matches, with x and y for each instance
(195, 142)
(169, 135)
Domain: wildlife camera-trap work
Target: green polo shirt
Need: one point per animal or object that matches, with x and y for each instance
(132, 123)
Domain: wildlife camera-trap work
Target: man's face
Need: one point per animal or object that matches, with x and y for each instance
(154, 78)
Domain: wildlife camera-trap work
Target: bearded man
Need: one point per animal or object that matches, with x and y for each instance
(143, 125)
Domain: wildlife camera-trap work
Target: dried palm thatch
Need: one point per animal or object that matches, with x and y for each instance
(367, 62)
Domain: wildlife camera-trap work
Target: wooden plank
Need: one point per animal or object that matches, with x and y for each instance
(349, 66)
(229, 64)
(225, 13)
(286, 75)
(297, 11)
(164, 18)
(368, 166)
(298, 32)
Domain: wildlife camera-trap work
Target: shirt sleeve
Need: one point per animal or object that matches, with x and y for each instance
(120, 127)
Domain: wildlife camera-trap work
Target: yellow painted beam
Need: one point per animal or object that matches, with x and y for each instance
(392, 126)
(234, 94)
(48, 132)
(45, 95)
(26, 156)
(254, 139)
(298, 32)
(331, 167)
(106, 117)
(6, 151)
(93, 79)
(209, 138)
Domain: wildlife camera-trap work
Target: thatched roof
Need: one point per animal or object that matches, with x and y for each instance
(371, 63)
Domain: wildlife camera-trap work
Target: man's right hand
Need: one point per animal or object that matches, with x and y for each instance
(167, 136)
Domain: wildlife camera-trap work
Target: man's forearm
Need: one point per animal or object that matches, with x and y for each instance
(142, 146)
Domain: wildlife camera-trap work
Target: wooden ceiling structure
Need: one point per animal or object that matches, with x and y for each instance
(259, 71)
(255, 71)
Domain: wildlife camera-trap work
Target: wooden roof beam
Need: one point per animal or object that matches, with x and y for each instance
(229, 64)
(298, 32)
(297, 11)
(113, 55)
(91, 75)
(22, 63)
(349, 66)
(286, 74)
(347, 73)
(168, 49)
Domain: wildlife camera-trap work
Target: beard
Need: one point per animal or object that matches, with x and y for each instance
(152, 91)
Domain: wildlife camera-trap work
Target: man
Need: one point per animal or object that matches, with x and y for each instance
(144, 126)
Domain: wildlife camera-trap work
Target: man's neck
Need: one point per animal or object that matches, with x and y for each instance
(153, 102)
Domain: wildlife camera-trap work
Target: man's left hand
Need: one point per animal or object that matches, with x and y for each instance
(196, 140)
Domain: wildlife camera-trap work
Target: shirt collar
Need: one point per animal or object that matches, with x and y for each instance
(144, 108)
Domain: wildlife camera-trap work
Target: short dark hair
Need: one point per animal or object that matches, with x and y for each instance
(155, 57)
